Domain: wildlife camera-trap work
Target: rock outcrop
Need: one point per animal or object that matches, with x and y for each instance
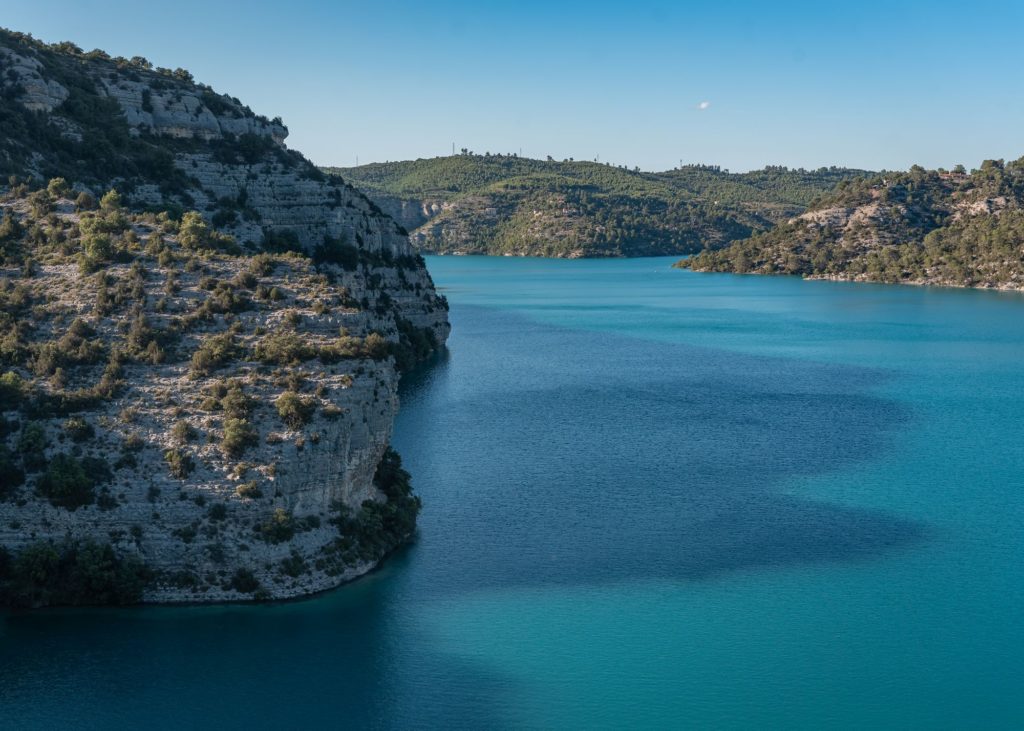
(291, 251)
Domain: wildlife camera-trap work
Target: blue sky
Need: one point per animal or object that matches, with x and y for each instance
(865, 84)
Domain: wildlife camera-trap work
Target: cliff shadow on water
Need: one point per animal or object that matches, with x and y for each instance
(330, 661)
(547, 455)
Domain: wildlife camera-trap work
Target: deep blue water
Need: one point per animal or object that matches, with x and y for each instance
(652, 499)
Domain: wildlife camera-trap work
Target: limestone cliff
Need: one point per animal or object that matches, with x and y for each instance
(234, 369)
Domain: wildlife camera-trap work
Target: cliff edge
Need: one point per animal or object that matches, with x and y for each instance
(201, 335)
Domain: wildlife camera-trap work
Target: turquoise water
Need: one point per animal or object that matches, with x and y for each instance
(652, 499)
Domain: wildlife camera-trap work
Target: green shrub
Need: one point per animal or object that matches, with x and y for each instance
(97, 469)
(224, 299)
(346, 346)
(402, 506)
(76, 347)
(294, 566)
(336, 251)
(10, 228)
(380, 526)
(32, 574)
(58, 188)
(280, 241)
(215, 352)
(11, 476)
(66, 483)
(111, 201)
(248, 490)
(375, 346)
(217, 512)
(236, 404)
(106, 501)
(277, 528)
(244, 582)
(194, 233)
(262, 264)
(179, 463)
(72, 573)
(238, 436)
(79, 429)
(166, 259)
(13, 389)
(414, 344)
(182, 432)
(295, 410)
(85, 202)
(97, 250)
(245, 280)
(32, 444)
(133, 443)
(187, 533)
(140, 336)
(283, 348)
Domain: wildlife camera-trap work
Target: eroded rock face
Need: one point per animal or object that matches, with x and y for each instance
(184, 113)
(233, 167)
(312, 473)
(410, 214)
(37, 93)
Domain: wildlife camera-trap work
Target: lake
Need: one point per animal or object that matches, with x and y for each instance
(652, 498)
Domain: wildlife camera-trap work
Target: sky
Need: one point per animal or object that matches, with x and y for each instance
(736, 83)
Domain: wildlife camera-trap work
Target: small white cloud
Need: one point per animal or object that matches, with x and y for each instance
(703, 105)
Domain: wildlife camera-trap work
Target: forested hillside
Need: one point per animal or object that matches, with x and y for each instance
(920, 227)
(505, 204)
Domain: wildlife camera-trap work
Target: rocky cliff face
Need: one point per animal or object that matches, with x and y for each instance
(292, 497)
(410, 214)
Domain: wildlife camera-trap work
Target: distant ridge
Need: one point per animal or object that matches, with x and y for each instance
(506, 204)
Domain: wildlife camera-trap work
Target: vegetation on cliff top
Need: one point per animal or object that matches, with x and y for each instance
(88, 139)
(150, 360)
(507, 204)
(92, 296)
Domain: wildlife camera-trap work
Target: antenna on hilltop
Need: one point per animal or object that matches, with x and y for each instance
(453, 149)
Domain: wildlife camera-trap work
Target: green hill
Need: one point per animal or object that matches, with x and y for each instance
(505, 204)
(918, 227)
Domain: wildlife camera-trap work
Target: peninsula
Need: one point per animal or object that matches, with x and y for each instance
(200, 334)
(931, 227)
